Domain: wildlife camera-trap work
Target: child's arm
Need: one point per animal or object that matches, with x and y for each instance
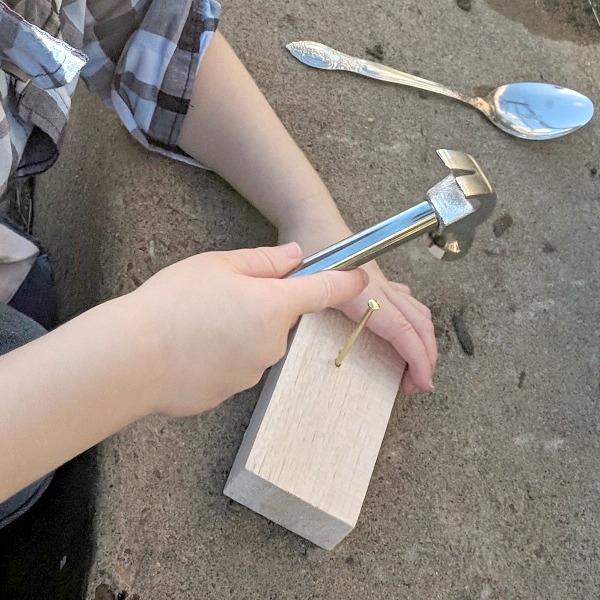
(232, 129)
(180, 344)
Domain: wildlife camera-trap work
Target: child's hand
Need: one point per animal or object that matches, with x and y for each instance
(191, 336)
(404, 322)
(222, 318)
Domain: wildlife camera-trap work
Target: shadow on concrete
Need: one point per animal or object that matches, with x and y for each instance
(46, 554)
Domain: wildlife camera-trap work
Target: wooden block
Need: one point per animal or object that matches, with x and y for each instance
(307, 457)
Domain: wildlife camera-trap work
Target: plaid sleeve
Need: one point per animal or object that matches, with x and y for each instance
(46, 60)
(143, 60)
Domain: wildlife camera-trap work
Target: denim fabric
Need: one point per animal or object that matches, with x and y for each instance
(36, 296)
(16, 330)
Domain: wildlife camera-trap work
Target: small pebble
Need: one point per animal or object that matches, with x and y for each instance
(376, 51)
(103, 592)
(464, 4)
(464, 337)
(502, 224)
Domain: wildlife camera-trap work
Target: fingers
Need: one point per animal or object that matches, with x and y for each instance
(407, 385)
(402, 287)
(272, 262)
(395, 326)
(418, 306)
(313, 293)
(421, 322)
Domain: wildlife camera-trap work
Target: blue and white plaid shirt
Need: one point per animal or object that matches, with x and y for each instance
(140, 56)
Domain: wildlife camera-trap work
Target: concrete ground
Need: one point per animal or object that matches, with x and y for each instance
(487, 488)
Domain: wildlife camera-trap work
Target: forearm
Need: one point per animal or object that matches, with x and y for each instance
(66, 391)
(232, 129)
(154, 350)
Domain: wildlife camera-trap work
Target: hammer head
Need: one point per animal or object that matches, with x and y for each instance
(462, 201)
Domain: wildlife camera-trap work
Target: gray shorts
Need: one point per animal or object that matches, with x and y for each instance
(16, 329)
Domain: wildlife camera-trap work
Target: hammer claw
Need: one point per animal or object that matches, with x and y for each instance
(469, 175)
(461, 201)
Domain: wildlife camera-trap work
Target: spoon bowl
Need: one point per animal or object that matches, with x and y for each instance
(528, 110)
(537, 111)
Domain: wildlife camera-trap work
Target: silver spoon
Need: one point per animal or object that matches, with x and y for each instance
(532, 111)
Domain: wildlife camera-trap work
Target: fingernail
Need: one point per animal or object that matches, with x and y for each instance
(431, 386)
(292, 250)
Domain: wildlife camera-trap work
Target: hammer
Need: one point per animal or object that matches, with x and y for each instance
(452, 210)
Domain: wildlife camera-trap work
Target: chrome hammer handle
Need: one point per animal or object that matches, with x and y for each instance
(454, 208)
(362, 247)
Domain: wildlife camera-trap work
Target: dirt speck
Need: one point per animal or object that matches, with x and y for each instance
(521, 379)
(376, 51)
(502, 224)
(593, 172)
(103, 592)
(548, 247)
(464, 4)
(464, 337)
(290, 20)
(571, 20)
(483, 90)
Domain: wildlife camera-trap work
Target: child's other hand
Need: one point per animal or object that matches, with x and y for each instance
(404, 322)
(221, 318)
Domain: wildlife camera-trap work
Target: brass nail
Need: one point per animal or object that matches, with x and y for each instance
(373, 306)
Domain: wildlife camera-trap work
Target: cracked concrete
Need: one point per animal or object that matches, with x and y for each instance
(487, 488)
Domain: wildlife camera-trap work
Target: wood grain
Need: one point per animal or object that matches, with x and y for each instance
(308, 455)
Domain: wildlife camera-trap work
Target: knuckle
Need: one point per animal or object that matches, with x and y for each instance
(273, 345)
(280, 351)
(266, 258)
(404, 326)
(263, 360)
(328, 290)
(254, 378)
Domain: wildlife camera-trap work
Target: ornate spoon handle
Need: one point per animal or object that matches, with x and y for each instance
(320, 56)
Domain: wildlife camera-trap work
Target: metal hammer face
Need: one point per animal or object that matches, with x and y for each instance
(461, 201)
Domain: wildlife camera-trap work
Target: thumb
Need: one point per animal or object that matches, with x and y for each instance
(273, 262)
(312, 293)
